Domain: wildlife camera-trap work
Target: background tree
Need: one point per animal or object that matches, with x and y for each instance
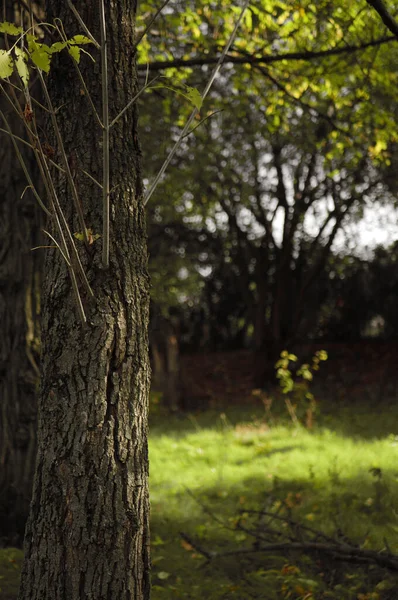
(294, 156)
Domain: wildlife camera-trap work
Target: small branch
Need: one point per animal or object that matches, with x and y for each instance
(83, 25)
(151, 21)
(206, 553)
(65, 160)
(66, 259)
(105, 138)
(202, 121)
(72, 276)
(58, 210)
(388, 20)
(93, 179)
(147, 85)
(264, 60)
(34, 101)
(195, 110)
(52, 163)
(60, 29)
(340, 551)
(23, 165)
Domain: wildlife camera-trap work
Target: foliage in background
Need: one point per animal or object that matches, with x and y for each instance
(288, 153)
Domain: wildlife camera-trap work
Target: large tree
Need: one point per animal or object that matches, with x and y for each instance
(87, 532)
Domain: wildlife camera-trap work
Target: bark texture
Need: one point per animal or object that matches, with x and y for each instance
(87, 533)
(19, 324)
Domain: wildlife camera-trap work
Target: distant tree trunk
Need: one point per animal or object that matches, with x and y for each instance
(19, 326)
(87, 535)
(166, 366)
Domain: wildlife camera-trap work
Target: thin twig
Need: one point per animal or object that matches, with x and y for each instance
(60, 29)
(202, 121)
(20, 90)
(23, 165)
(195, 110)
(147, 85)
(305, 55)
(341, 551)
(83, 25)
(66, 259)
(105, 138)
(385, 16)
(150, 23)
(16, 106)
(59, 211)
(65, 160)
(93, 179)
(52, 163)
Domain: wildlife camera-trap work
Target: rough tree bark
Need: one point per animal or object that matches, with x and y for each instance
(20, 269)
(87, 533)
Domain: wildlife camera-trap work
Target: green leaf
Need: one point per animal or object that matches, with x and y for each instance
(190, 93)
(10, 28)
(57, 47)
(40, 55)
(194, 96)
(92, 237)
(80, 39)
(163, 575)
(31, 38)
(22, 67)
(74, 51)
(6, 65)
(158, 540)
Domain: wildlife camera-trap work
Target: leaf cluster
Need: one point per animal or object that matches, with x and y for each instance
(27, 51)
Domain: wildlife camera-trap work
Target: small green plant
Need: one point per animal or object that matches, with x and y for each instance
(296, 387)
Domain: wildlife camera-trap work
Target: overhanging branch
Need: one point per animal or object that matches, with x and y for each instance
(388, 20)
(264, 60)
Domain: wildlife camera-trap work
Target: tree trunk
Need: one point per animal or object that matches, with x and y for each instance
(19, 339)
(87, 534)
(166, 367)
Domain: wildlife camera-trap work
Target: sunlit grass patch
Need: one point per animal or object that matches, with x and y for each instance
(205, 472)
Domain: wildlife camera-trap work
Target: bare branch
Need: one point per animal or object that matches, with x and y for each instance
(105, 139)
(388, 20)
(82, 24)
(64, 159)
(60, 29)
(147, 85)
(341, 551)
(265, 60)
(23, 165)
(150, 23)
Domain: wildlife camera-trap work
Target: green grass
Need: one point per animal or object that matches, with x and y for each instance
(205, 469)
(10, 565)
